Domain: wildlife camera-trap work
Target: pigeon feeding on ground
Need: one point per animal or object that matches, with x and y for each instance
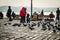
(25, 25)
(33, 24)
(56, 23)
(44, 26)
(31, 28)
(54, 31)
(38, 24)
(58, 29)
(59, 25)
(5, 24)
(9, 23)
(49, 27)
(19, 25)
(16, 24)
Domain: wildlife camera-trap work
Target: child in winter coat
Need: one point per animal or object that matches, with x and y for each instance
(28, 18)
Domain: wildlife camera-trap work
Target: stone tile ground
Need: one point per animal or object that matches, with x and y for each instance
(9, 32)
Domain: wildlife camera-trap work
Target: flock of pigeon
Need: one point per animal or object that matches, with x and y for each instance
(45, 25)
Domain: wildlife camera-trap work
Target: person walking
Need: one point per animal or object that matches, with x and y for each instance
(9, 13)
(57, 14)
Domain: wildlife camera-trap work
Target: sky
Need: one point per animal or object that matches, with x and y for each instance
(36, 3)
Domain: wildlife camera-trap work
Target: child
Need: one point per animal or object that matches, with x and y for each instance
(28, 18)
(13, 15)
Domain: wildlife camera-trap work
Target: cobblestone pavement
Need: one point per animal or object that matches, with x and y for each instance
(9, 32)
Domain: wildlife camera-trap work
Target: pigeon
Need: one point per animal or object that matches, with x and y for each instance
(58, 25)
(54, 31)
(19, 25)
(9, 23)
(28, 25)
(31, 28)
(55, 26)
(43, 27)
(5, 24)
(25, 25)
(49, 27)
(38, 24)
(58, 29)
(33, 24)
(16, 25)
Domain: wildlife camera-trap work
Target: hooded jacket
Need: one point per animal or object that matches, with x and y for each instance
(22, 12)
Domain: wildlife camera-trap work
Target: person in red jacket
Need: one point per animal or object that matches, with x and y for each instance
(22, 14)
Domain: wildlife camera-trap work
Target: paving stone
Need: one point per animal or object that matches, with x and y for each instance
(3, 38)
(8, 32)
(21, 38)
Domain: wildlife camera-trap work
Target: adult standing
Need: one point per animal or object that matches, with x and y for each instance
(57, 14)
(42, 13)
(23, 14)
(1, 15)
(9, 13)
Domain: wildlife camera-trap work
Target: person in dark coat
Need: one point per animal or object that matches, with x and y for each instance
(13, 15)
(1, 15)
(57, 14)
(42, 13)
(9, 13)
